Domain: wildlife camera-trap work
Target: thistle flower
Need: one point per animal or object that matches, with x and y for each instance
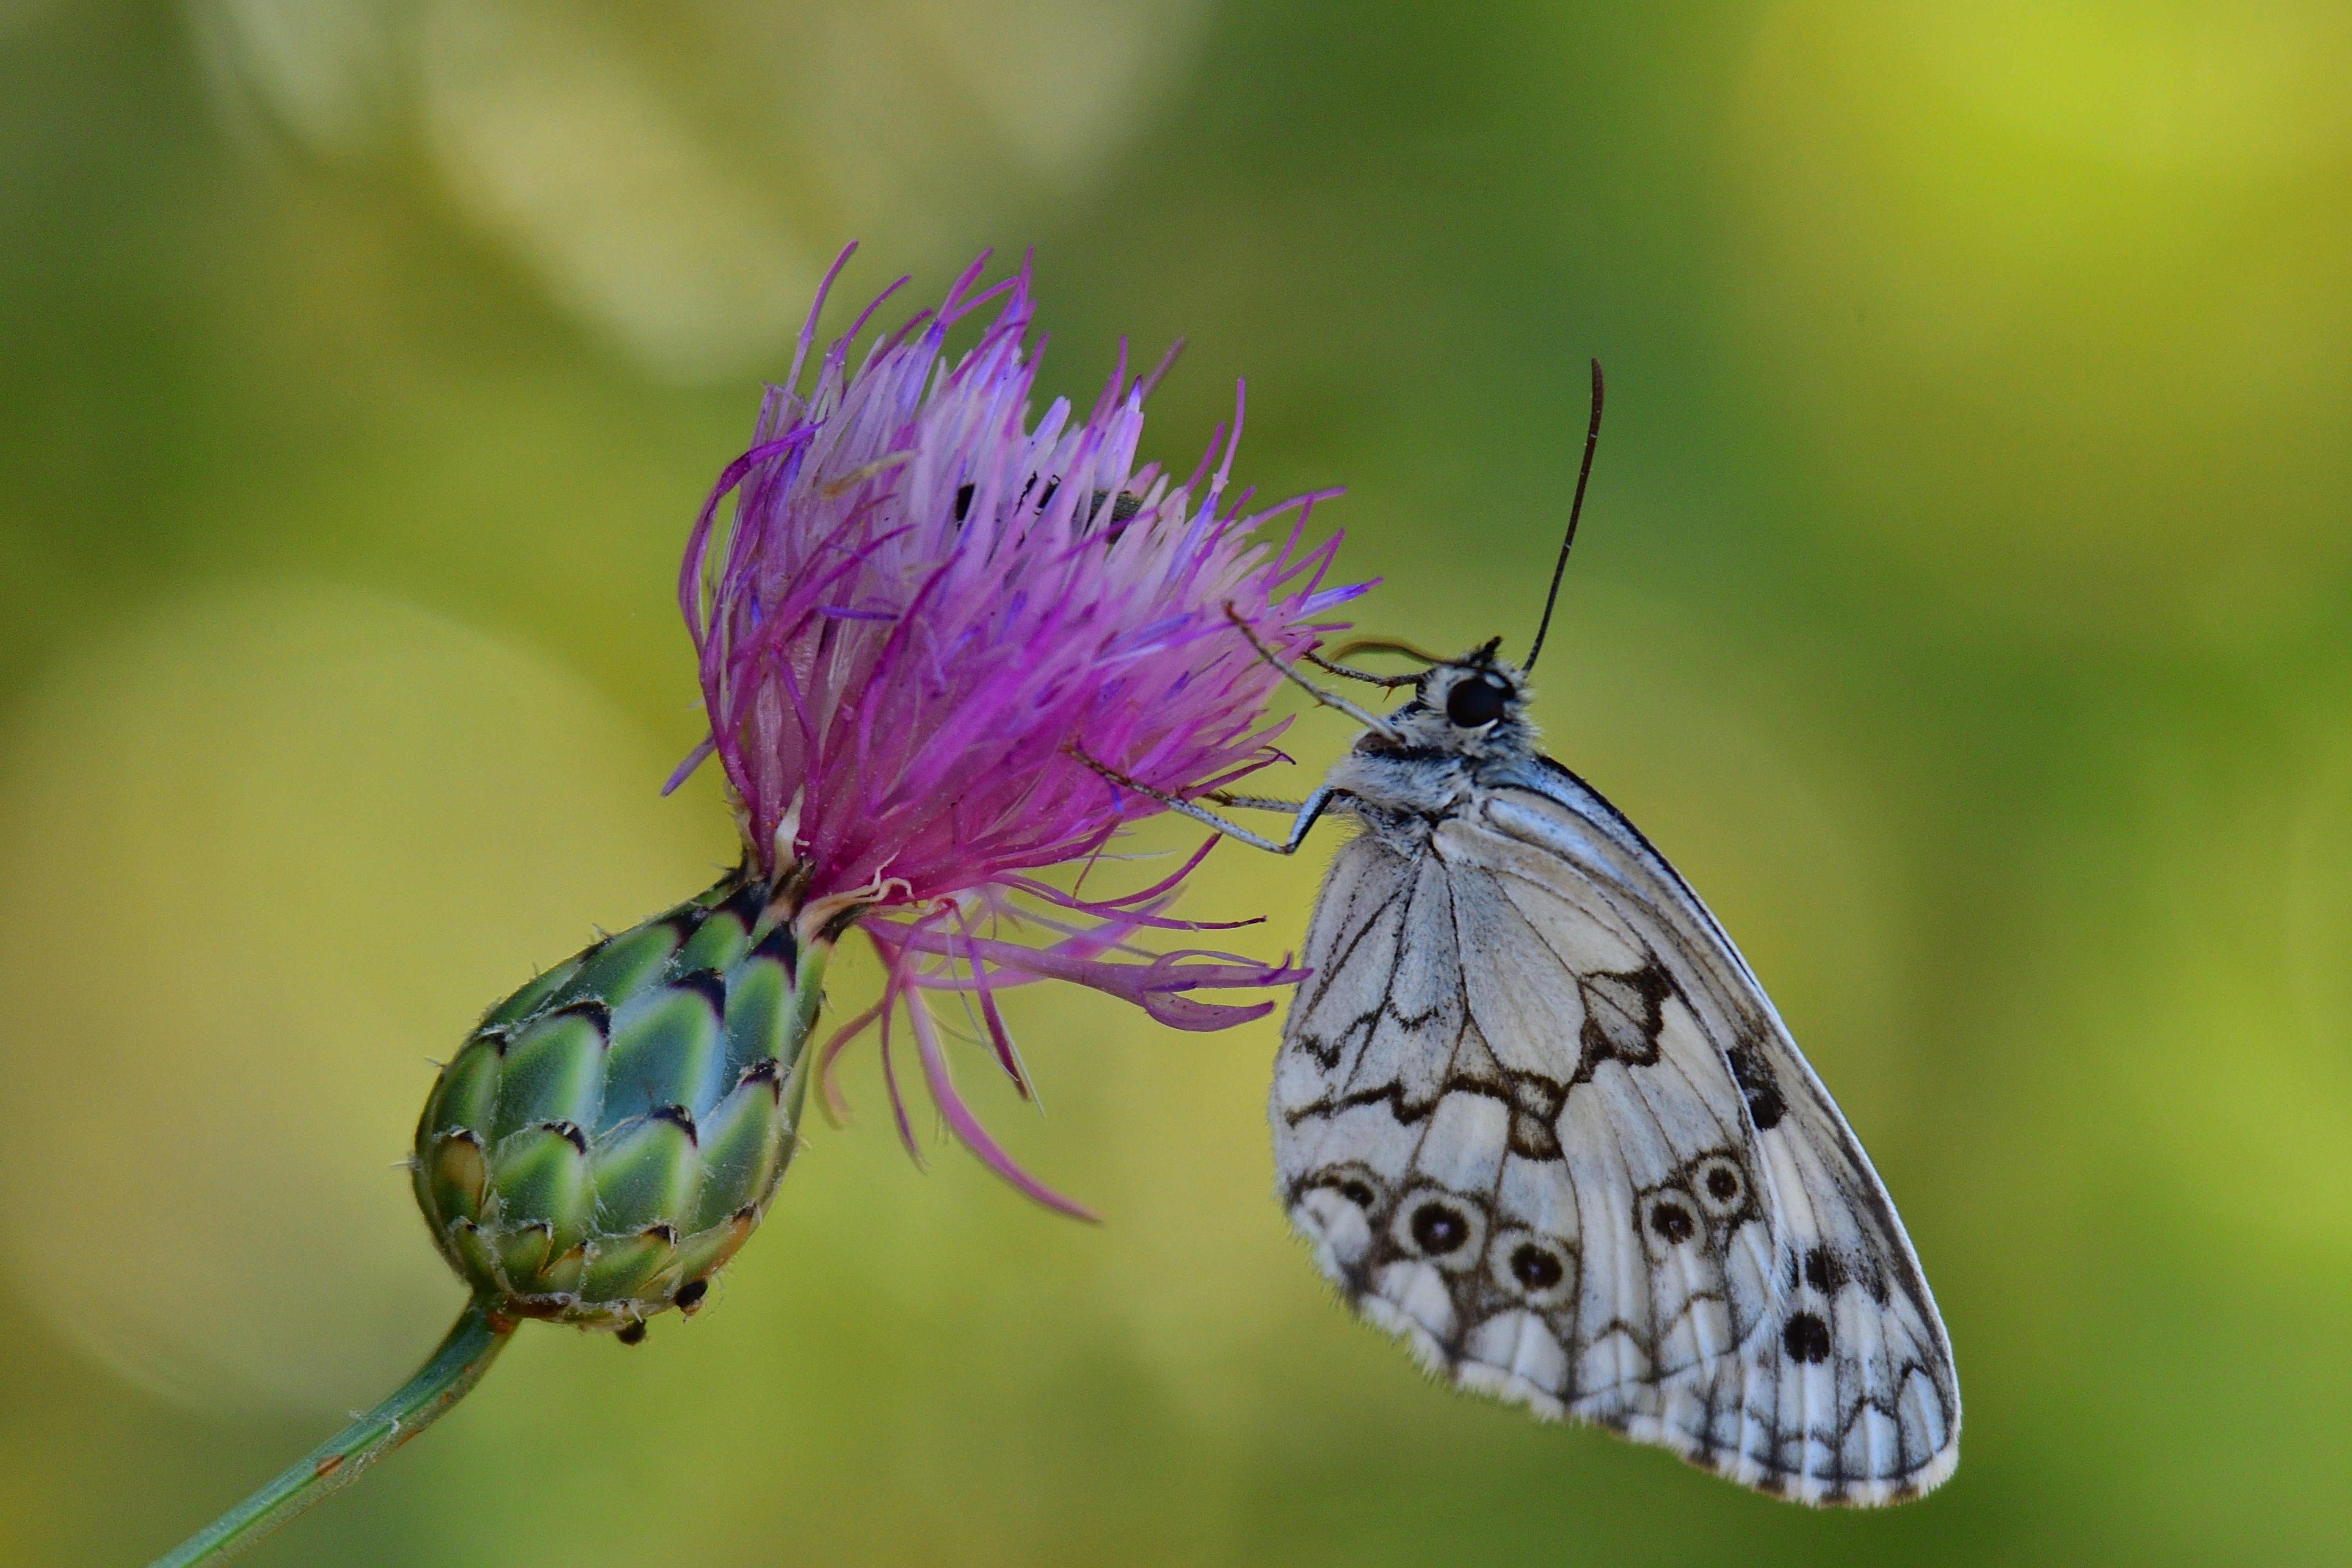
(926, 623)
(924, 608)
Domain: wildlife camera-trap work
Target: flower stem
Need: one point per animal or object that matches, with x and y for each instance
(473, 1343)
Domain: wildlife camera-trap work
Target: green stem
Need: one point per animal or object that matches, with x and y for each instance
(455, 1368)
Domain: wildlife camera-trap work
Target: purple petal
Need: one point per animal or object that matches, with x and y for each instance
(967, 1127)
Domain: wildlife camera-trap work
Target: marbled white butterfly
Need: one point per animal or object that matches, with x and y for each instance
(1536, 1116)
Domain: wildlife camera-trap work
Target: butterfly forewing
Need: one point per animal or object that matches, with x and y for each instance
(1536, 1116)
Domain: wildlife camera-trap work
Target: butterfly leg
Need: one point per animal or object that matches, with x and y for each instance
(1255, 802)
(1306, 811)
(1363, 716)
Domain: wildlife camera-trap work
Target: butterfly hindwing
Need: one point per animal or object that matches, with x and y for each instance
(1536, 1116)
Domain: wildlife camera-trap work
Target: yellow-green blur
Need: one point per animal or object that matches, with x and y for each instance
(1964, 602)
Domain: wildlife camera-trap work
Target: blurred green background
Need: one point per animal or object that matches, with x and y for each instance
(1962, 603)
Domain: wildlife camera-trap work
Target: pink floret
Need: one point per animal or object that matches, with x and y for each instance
(925, 602)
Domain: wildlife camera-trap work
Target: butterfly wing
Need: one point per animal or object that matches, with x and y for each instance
(1536, 1116)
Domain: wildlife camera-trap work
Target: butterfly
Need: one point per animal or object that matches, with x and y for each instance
(1535, 1115)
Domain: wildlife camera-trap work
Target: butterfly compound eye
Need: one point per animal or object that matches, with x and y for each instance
(1480, 699)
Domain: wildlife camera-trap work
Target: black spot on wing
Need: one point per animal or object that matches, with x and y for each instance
(1536, 1267)
(1622, 1017)
(1672, 1222)
(1824, 1270)
(1438, 1228)
(1757, 1085)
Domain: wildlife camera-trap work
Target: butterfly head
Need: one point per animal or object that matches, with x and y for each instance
(1472, 706)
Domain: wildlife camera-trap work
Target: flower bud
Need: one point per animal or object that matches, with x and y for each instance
(611, 1133)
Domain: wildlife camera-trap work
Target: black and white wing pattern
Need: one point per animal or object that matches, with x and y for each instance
(1538, 1118)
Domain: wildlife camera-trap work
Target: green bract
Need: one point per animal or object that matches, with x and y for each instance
(611, 1133)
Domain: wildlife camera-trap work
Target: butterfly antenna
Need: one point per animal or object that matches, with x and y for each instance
(1575, 510)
